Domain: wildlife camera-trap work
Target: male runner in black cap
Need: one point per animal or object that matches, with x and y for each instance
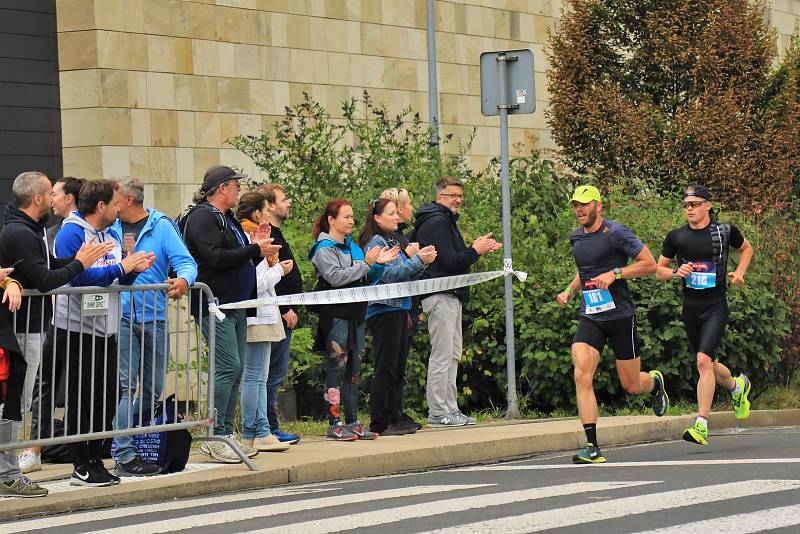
(700, 250)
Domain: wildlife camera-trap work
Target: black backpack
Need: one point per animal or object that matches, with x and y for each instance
(183, 217)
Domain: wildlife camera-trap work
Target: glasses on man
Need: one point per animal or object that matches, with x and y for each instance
(694, 204)
(454, 196)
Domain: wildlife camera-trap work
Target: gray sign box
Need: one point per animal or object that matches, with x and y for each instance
(520, 91)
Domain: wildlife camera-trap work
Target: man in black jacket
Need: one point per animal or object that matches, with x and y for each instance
(226, 262)
(23, 243)
(436, 225)
(278, 207)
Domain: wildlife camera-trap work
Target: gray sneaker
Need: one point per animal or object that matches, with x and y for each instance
(21, 487)
(446, 421)
(468, 419)
(220, 452)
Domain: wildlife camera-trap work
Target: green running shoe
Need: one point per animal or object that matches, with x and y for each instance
(696, 434)
(741, 406)
(660, 400)
(588, 455)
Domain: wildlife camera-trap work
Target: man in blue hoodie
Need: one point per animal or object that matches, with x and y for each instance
(85, 334)
(144, 332)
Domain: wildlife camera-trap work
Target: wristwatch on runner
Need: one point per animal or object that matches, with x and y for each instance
(617, 273)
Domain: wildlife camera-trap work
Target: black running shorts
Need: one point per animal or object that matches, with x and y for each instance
(620, 333)
(705, 324)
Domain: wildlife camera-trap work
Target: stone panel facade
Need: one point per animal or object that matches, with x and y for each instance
(156, 87)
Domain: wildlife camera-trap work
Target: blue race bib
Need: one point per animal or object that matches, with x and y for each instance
(598, 300)
(704, 275)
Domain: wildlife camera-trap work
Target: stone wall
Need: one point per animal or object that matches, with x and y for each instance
(155, 87)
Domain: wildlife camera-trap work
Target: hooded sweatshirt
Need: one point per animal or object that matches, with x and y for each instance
(436, 225)
(161, 236)
(341, 265)
(23, 240)
(106, 270)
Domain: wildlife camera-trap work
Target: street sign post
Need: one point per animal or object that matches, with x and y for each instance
(507, 87)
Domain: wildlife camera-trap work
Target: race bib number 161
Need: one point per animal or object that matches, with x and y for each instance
(598, 300)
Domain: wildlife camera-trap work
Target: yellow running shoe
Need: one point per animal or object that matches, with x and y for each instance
(741, 406)
(696, 434)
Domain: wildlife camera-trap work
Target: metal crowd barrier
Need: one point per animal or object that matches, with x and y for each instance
(78, 386)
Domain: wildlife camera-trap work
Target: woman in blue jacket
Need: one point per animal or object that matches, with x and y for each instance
(389, 320)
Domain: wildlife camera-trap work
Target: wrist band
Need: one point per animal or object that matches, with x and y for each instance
(570, 290)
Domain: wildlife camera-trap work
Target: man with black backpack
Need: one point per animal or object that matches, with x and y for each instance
(700, 250)
(226, 262)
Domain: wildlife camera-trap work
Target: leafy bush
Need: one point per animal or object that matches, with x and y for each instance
(310, 154)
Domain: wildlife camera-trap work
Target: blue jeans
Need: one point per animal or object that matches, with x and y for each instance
(254, 390)
(278, 367)
(231, 343)
(345, 376)
(151, 364)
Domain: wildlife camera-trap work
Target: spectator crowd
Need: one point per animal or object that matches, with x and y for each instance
(110, 367)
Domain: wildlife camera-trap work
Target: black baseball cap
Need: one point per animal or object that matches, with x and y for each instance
(697, 190)
(217, 175)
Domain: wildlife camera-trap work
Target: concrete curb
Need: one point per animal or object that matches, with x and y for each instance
(324, 461)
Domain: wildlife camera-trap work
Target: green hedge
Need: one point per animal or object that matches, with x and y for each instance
(395, 151)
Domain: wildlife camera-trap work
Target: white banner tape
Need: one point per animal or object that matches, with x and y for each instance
(367, 293)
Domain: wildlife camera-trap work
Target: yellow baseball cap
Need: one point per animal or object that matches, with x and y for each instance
(585, 194)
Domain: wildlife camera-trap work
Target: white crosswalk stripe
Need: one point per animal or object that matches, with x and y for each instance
(441, 507)
(269, 510)
(587, 513)
(380, 517)
(118, 513)
(785, 516)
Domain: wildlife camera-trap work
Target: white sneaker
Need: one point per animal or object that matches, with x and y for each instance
(270, 444)
(220, 452)
(30, 461)
(248, 450)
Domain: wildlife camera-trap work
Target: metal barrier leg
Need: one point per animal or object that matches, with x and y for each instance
(233, 445)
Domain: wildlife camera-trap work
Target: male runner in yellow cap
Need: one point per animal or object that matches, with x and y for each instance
(601, 249)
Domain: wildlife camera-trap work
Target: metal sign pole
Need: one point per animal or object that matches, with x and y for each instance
(433, 88)
(504, 105)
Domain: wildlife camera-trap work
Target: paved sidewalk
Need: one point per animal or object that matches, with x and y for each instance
(316, 461)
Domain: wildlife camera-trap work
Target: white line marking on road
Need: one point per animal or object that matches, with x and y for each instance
(607, 465)
(185, 504)
(380, 517)
(640, 504)
(785, 516)
(273, 509)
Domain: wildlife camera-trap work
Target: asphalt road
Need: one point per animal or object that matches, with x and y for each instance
(744, 481)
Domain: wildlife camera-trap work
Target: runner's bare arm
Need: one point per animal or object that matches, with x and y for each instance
(745, 257)
(642, 265)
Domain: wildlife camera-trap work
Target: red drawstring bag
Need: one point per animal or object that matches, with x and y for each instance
(5, 370)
